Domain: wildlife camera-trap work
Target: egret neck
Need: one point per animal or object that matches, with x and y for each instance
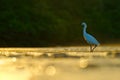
(84, 29)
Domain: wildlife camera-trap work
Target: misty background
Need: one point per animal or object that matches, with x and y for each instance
(28, 23)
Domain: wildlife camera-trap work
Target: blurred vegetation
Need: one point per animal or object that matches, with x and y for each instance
(57, 22)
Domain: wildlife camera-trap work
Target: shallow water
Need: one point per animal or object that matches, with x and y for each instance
(61, 63)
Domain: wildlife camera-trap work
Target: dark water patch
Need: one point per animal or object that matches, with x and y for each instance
(92, 66)
(113, 54)
(60, 55)
(117, 54)
(113, 65)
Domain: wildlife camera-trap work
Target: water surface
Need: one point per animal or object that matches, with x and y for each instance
(60, 63)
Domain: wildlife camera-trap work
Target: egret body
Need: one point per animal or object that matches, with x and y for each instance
(89, 38)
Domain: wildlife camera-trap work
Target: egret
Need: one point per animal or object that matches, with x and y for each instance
(89, 38)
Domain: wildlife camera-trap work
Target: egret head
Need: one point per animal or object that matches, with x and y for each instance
(84, 24)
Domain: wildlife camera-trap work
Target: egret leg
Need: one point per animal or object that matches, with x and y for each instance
(91, 48)
(94, 47)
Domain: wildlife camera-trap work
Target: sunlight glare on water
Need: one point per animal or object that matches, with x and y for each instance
(83, 63)
(8, 71)
(71, 65)
(50, 70)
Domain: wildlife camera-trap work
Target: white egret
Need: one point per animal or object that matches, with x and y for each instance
(89, 38)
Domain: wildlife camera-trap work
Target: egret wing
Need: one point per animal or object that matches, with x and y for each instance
(90, 39)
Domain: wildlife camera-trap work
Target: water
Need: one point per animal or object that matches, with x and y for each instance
(61, 63)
